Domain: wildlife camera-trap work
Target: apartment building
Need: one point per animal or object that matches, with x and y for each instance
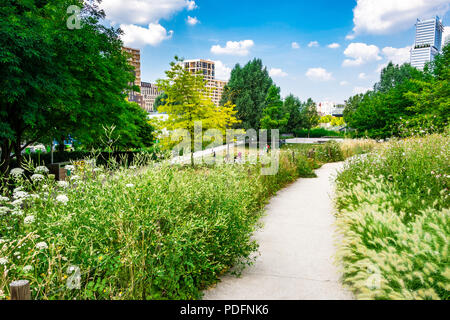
(428, 42)
(149, 93)
(135, 61)
(208, 70)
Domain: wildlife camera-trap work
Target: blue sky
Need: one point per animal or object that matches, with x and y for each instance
(291, 37)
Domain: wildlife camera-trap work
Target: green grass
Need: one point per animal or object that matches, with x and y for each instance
(393, 213)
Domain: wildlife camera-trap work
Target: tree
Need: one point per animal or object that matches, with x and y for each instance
(247, 89)
(58, 81)
(187, 102)
(273, 116)
(159, 101)
(310, 115)
(293, 105)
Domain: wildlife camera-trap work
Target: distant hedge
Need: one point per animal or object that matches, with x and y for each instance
(317, 133)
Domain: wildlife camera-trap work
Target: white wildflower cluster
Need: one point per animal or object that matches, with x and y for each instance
(3, 261)
(130, 185)
(4, 210)
(29, 220)
(27, 269)
(70, 167)
(41, 170)
(37, 177)
(97, 170)
(17, 172)
(21, 195)
(74, 178)
(41, 246)
(62, 198)
(4, 199)
(63, 184)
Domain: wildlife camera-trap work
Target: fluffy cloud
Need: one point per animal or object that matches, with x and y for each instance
(386, 16)
(334, 45)
(319, 74)
(235, 48)
(396, 56)
(143, 12)
(222, 71)
(313, 44)
(362, 75)
(445, 34)
(192, 21)
(136, 36)
(343, 83)
(295, 45)
(277, 73)
(360, 53)
(358, 90)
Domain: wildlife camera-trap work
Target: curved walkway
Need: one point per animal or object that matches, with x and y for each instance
(296, 254)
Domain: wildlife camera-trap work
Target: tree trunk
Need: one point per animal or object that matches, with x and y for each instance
(18, 150)
(5, 156)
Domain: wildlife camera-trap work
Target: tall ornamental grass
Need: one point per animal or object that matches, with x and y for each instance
(393, 214)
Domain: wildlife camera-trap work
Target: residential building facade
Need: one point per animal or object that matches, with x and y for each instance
(135, 62)
(428, 42)
(149, 93)
(208, 70)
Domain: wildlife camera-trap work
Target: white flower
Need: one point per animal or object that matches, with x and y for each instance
(18, 189)
(20, 195)
(4, 199)
(62, 198)
(17, 203)
(37, 177)
(63, 184)
(130, 185)
(28, 220)
(4, 210)
(3, 261)
(27, 269)
(17, 212)
(75, 177)
(41, 246)
(41, 169)
(98, 170)
(69, 167)
(35, 196)
(133, 167)
(16, 172)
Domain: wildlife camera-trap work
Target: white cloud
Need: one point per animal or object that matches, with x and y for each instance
(241, 48)
(386, 16)
(445, 34)
(277, 73)
(360, 53)
(143, 12)
(358, 90)
(362, 75)
(350, 37)
(343, 83)
(334, 45)
(313, 44)
(396, 56)
(319, 74)
(295, 45)
(136, 36)
(222, 71)
(192, 21)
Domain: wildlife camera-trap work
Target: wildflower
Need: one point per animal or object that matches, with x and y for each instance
(16, 172)
(130, 185)
(74, 178)
(3, 261)
(98, 170)
(62, 198)
(63, 184)
(28, 220)
(35, 196)
(69, 167)
(37, 177)
(41, 246)
(27, 269)
(20, 195)
(17, 203)
(4, 199)
(133, 167)
(4, 210)
(41, 169)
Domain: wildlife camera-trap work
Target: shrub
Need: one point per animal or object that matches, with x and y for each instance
(317, 133)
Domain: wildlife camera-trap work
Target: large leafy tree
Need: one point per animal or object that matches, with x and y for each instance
(293, 106)
(59, 81)
(310, 116)
(247, 89)
(187, 103)
(273, 116)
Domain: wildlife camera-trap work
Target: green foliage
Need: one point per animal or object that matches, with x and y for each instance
(404, 102)
(330, 152)
(58, 82)
(293, 106)
(152, 232)
(160, 101)
(317, 133)
(247, 89)
(273, 116)
(310, 116)
(394, 217)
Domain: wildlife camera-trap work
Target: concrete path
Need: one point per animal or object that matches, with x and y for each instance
(297, 249)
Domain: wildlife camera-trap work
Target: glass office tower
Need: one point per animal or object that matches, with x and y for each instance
(428, 42)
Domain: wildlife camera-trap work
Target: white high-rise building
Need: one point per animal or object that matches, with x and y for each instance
(428, 42)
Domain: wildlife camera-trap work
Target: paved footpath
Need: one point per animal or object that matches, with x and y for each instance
(296, 254)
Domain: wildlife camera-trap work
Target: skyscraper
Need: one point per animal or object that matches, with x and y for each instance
(428, 42)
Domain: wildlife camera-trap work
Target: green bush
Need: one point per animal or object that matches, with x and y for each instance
(394, 218)
(329, 152)
(317, 133)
